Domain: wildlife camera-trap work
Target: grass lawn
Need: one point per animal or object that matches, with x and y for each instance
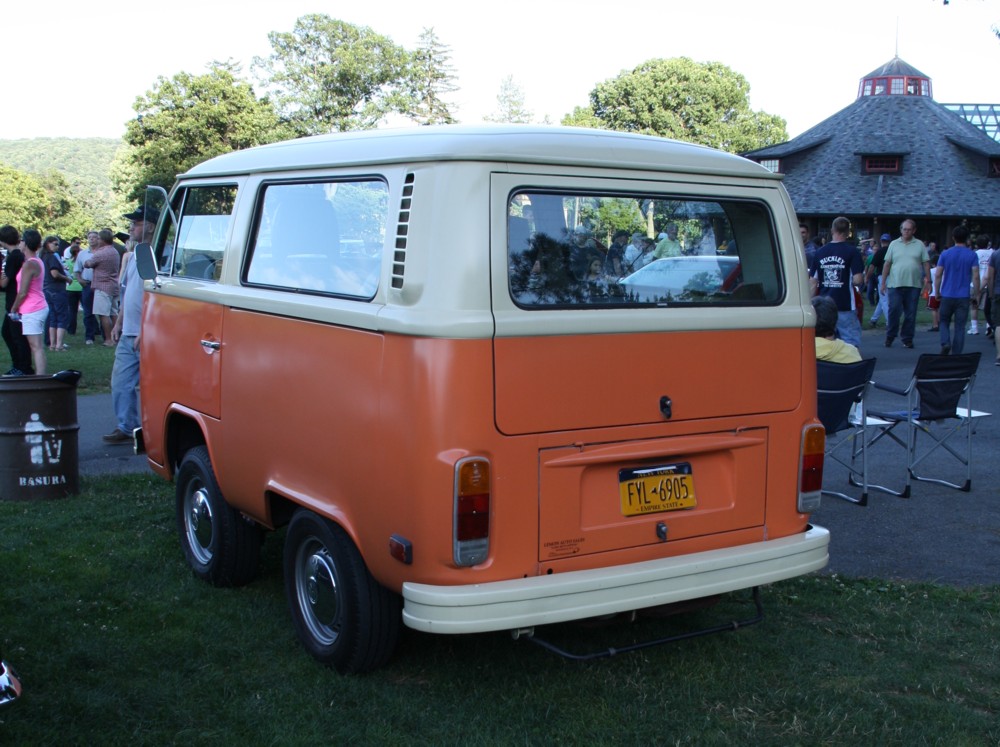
(117, 643)
(95, 361)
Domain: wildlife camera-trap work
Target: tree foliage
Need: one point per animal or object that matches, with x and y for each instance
(328, 75)
(83, 162)
(510, 104)
(23, 202)
(433, 79)
(188, 118)
(699, 102)
(44, 202)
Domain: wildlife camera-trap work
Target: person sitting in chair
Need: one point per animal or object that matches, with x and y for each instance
(828, 348)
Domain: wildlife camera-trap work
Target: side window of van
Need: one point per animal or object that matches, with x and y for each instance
(195, 246)
(585, 249)
(321, 237)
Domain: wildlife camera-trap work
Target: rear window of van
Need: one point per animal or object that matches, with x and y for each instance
(570, 249)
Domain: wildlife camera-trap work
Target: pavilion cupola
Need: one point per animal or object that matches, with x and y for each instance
(895, 78)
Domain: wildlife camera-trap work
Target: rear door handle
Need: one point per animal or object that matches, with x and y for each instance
(211, 345)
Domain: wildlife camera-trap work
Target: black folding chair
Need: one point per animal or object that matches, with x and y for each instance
(840, 404)
(933, 398)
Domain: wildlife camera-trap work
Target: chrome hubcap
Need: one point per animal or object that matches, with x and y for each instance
(316, 580)
(200, 525)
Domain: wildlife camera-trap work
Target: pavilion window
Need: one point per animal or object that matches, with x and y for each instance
(882, 164)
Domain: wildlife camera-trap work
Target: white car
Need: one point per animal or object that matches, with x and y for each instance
(682, 279)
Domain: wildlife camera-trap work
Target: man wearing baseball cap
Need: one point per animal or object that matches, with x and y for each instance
(126, 332)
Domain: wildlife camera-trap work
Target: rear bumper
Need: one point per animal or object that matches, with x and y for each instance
(542, 600)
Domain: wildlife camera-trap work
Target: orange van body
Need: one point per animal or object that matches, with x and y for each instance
(360, 413)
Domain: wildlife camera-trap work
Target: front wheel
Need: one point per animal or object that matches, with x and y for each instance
(342, 615)
(221, 546)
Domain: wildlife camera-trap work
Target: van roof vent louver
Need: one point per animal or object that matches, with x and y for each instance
(402, 228)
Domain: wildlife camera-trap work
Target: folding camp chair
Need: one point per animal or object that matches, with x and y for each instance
(840, 390)
(937, 388)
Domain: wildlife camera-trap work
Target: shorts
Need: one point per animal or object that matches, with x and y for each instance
(33, 323)
(933, 302)
(105, 305)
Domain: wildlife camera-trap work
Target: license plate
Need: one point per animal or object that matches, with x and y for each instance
(649, 490)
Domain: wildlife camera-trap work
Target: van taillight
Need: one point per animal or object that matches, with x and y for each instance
(811, 469)
(472, 511)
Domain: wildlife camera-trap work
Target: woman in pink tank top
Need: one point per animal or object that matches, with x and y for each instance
(30, 301)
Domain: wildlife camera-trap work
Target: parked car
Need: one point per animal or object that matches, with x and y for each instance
(682, 279)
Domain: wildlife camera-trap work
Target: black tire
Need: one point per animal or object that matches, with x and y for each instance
(342, 615)
(220, 544)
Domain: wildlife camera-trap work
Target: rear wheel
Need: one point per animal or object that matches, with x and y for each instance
(342, 615)
(221, 546)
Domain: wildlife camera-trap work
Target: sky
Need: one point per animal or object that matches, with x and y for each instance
(75, 69)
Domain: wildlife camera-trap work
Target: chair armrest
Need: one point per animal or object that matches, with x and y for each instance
(893, 389)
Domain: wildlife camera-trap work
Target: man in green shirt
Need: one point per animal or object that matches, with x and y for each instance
(668, 245)
(905, 273)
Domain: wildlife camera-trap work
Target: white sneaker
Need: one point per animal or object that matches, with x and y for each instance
(972, 332)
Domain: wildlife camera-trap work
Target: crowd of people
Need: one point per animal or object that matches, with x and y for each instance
(958, 283)
(47, 282)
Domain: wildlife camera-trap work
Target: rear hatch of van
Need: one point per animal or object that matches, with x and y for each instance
(653, 414)
(632, 453)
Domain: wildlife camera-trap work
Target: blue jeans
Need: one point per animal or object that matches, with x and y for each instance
(881, 308)
(125, 385)
(902, 301)
(957, 309)
(90, 326)
(849, 328)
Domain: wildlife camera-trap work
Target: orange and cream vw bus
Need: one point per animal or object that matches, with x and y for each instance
(474, 401)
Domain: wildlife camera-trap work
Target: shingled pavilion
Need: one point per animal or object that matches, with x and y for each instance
(894, 153)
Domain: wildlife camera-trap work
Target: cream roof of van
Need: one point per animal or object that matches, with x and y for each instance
(510, 143)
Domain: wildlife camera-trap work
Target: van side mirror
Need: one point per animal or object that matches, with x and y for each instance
(145, 261)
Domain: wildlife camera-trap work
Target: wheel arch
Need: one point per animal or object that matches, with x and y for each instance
(184, 430)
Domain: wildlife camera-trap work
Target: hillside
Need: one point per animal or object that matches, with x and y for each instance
(84, 162)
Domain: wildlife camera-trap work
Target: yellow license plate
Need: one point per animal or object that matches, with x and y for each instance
(649, 490)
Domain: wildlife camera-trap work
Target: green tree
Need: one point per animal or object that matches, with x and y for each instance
(84, 162)
(65, 215)
(583, 116)
(23, 201)
(44, 202)
(699, 102)
(433, 79)
(510, 104)
(327, 75)
(610, 215)
(188, 118)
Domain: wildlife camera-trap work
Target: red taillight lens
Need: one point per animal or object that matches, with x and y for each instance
(473, 517)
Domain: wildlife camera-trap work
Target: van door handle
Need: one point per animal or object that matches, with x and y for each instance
(211, 345)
